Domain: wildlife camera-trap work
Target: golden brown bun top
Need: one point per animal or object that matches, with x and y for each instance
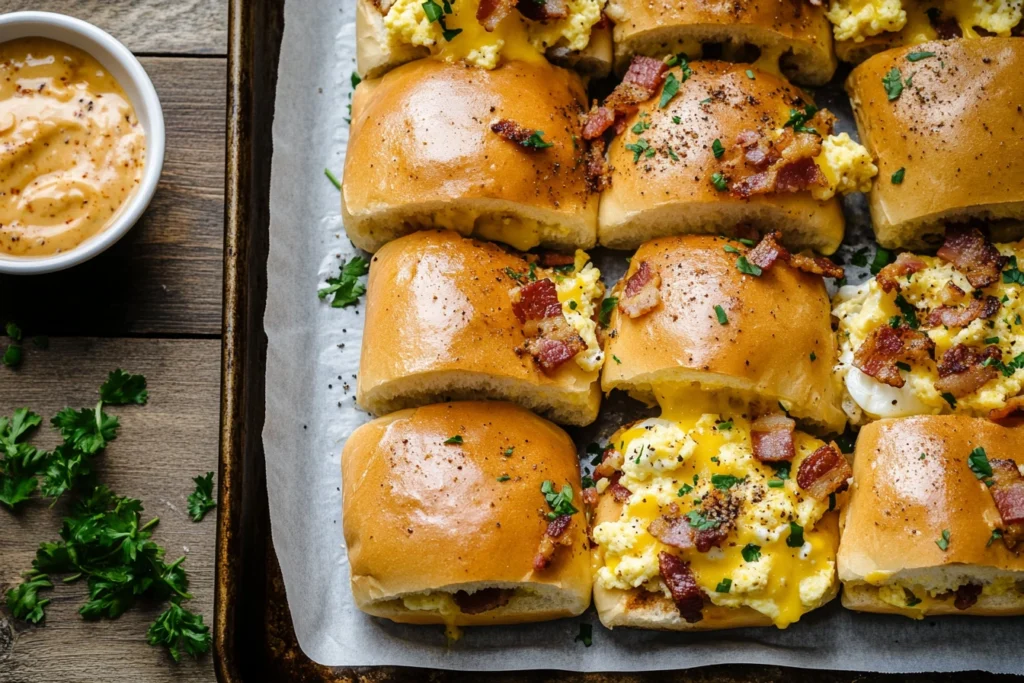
(901, 503)
(423, 133)
(958, 129)
(420, 514)
(775, 322)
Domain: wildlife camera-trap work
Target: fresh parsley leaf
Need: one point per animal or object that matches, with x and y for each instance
(1012, 275)
(978, 462)
(122, 388)
(607, 306)
(617, 360)
(12, 356)
(729, 249)
(536, 141)
(560, 502)
(860, 257)
(950, 399)
(750, 74)
(943, 542)
(897, 177)
(457, 439)
(639, 147)
(881, 260)
(503, 478)
(88, 430)
(346, 288)
(13, 331)
(449, 35)
(724, 481)
(719, 181)
(781, 470)
(432, 10)
(700, 522)
(724, 426)
(717, 148)
(893, 83)
(747, 268)
(798, 119)
(333, 178)
(201, 500)
(723, 319)
(909, 312)
(796, 535)
(66, 467)
(751, 552)
(586, 635)
(996, 535)
(180, 630)
(813, 356)
(724, 586)
(20, 462)
(23, 600)
(669, 90)
(918, 56)
(684, 490)
(912, 599)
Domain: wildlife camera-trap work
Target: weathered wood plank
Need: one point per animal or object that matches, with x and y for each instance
(153, 26)
(164, 277)
(161, 446)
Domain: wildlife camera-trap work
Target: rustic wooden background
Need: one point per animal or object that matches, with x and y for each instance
(151, 305)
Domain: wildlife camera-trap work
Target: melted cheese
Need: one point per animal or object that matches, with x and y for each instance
(866, 307)
(846, 165)
(580, 292)
(857, 20)
(518, 232)
(918, 599)
(671, 460)
(515, 37)
(443, 604)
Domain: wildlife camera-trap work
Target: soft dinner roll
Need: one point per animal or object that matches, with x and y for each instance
(390, 33)
(791, 37)
(776, 346)
(440, 324)
(664, 174)
(950, 146)
(918, 535)
(446, 517)
(422, 154)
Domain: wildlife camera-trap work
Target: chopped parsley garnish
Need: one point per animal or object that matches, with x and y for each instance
(943, 542)
(705, 101)
(750, 74)
(979, 464)
(12, 356)
(991, 340)
(122, 388)
(676, 120)
(449, 35)
(724, 426)
(918, 56)
(996, 535)
(453, 440)
(747, 242)
(685, 489)
(672, 154)
(903, 366)
(796, 535)
(536, 141)
(895, 322)
(573, 305)
(813, 356)
(776, 483)
(607, 306)
(729, 249)
(21, 462)
(950, 399)
(13, 331)
(432, 10)
(669, 90)
(585, 636)
(505, 477)
(639, 147)
(860, 257)
(509, 451)
(560, 502)
(723, 319)
(1012, 275)
(912, 599)
(747, 268)
(1013, 366)
(616, 359)
(897, 177)
(724, 482)
(751, 552)
(781, 475)
(798, 119)
(701, 523)
(683, 63)
(909, 312)
(202, 499)
(717, 148)
(893, 83)
(881, 260)
(724, 586)
(719, 181)
(334, 179)
(346, 288)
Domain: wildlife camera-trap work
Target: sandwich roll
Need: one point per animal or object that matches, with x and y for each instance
(450, 317)
(495, 154)
(943, 121)
(711, 324)
(722, 148)
(777, 35)
(935, 519)
(485, 497)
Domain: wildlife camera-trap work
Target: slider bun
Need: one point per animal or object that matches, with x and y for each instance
(422, 154)
(659, 196)
(958, 133)
(439, 325)
(797, 32)
(775, 322)
(639, 608)
(422, 516)
(900, 504)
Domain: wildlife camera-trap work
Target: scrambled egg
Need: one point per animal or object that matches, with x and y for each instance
(672, 460)
(847, 166)
(859, 19)
(516, 37)
(920, 598)
(863, 308)
(580, 293)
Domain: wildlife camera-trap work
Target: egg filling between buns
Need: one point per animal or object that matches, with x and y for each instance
(917, 599)
(856, 20)
(778, 560)
(580, 293)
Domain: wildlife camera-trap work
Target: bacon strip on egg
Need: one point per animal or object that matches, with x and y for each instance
(886, 346)
(771, 436)
(682, 584)
(1008, 494)
(824, 472)
(970, 252)
(642, 292)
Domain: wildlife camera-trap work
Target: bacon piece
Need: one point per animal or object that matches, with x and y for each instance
(553, 538)
(642, 293)
(824, 472)
(783, 165)
(599, 175)
(611, 461)
(682, 584)
(972, 254)
(491, 12)
(768, 251)
(961, 369)
(772, 437)
(1008, 494)
(1011, 413)
(951, 294)
(673, 531)
(554, 259)
(483, 600)
(589, 496)
(619, 492)
(817, 265)
(639, 84)
(597, 121)
(799, 175)
(557, 343)
(905, 264)
(758, 151)
(513, 132)
(966, 596)
(536, 301)
(885, 346)
(543, 10)
(954, 316)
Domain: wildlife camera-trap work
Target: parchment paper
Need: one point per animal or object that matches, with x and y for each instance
(312, 363)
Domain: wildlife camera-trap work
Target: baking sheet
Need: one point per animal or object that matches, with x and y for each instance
(312, 362)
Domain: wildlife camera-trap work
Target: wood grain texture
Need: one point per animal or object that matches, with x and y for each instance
(164, 277)
(160, 447)
(147, 26)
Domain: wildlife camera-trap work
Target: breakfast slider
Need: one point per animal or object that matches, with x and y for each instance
(465, 514)
(863, 29)
(449, 317)
(482, 33)
(715, 147)
(935, 519)
(719, 513)
(935, 334)
(496, 154)
(780, 36)
(943, 121)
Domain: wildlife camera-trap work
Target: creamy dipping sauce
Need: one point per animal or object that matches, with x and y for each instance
(71, 148)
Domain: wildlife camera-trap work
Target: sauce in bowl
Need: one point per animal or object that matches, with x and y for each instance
(72, 150)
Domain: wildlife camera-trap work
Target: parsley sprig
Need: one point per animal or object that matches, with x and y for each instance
(346, 288)
(201, 500)
(560, 502)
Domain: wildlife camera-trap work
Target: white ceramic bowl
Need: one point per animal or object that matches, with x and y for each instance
(123, 66)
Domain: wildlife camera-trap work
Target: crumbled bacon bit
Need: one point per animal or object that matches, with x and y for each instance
(599, 175)
(888, 277)
(970, 252)
(824, 472)
(557, 343)
(641, 82)
(536, 301)
(554, 537)
(785, 164)
(1012, 412)
(772, 437)
(951, 294)
(817, 265)
(885, 346)
(799, 175)
(597, 121)
(673, 531)
(491, 12)
(954, 316)
(589, 496)
(1008, 495)
(513, 132)
(682, 584)
(642, 292)
(768, 251)
(611, 461)
(554, 259)
(543, 10)
(966, 596)
(483, 600)
(962, 370)
(619, 492)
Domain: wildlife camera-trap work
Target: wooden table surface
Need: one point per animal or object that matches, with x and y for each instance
(151, 305)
